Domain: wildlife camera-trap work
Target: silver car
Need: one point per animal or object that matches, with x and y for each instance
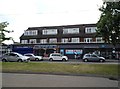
(16, 57)
(33, 57)
(93, 57)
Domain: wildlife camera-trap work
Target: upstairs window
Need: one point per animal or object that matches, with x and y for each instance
(75, 40)
(49, 32)
(24, 41)
(99, 40)
(71, 31)
(31, 33)
(88, 40)
(64, 40)
(32, 41)
(53, 40)
(90, 29)
(43, 41)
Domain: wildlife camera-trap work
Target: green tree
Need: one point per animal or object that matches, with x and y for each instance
(3, 37)
(109, 22)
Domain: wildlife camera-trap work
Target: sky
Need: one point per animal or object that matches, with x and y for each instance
(21, 14)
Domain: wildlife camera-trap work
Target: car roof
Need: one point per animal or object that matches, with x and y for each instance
(87, 54)
(55, 53)
(14, 52)
(28, 54)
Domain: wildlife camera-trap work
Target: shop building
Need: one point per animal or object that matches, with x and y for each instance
(68, 40)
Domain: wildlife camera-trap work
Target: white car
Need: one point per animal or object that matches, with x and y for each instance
(33, 57)
(16, 57)
(57, 56)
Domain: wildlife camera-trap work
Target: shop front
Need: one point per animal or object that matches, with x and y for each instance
(45, 50)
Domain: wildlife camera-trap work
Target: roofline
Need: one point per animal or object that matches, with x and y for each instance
(63, 25)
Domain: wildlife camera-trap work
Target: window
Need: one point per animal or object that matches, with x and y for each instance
(43, 41)
(53, 40)
(99, 40)
(32, 41)
(12, 54)
(64, 40)
(71, 31)
(49, 32)
(31, 33)
(90, 29)
(24, 41)
(93, 56)
(56, 55)
(88, 40)
(75, 40)
(28, 55)
(87, 55)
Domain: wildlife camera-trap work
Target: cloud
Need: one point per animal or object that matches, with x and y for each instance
(22, 14)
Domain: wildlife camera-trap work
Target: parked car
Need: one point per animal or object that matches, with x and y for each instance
(93, 57)
(33, 57)
(57, 56)
(16, 57)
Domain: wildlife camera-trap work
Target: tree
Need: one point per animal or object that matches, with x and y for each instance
(3, 37)
(109, 22)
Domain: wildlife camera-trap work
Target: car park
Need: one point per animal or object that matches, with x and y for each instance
(57, 56)
(93, 57)
(14, 57)
(33, 57)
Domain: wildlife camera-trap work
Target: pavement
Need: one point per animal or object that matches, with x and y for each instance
(43, 80)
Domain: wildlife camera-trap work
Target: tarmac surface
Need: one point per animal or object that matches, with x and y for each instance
(45, 80)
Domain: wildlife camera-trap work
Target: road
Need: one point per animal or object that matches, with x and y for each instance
(44, 80)
(76, 61)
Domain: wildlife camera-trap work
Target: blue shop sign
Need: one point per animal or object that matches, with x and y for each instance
(44, 46)
(77, 51)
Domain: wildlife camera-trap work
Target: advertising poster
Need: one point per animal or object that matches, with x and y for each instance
(75, 51)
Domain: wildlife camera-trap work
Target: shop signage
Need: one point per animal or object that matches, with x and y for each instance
(44, 46)
(91, 46)
(75, 51)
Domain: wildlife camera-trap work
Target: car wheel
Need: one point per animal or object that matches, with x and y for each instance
(4, 60)
(50, 59)
(19, 60)
(36, 59)
(85, 60)
(41, 60)
(63, 59)
(28, 60)
(101, 60)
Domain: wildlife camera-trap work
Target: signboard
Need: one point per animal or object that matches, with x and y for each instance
(62, 51)
(44, 46)
(75, 51)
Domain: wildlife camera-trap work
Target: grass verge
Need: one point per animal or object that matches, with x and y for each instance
(61, 68)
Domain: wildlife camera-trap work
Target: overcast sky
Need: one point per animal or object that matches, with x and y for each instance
(21, 14)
